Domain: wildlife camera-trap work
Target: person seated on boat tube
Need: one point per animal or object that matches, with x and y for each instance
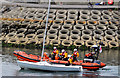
(54, 53)
(75, 55)
(90, 56)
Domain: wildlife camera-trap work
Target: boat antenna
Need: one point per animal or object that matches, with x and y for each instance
(45, 29)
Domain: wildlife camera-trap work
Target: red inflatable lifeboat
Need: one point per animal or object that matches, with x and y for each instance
(22, 56)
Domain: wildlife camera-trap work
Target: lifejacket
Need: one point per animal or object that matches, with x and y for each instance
(70, 60)
(76, 54)
(55, 51)
(65, 55)
(56, 57)
(89, 54)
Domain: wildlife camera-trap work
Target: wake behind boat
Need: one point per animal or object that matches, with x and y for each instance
(48, 67)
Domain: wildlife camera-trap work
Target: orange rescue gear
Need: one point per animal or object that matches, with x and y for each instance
(89, 54)
(56, 57)
(45, 55)
(75, 54)
(65, 55)
(70, 60)
(55, 51)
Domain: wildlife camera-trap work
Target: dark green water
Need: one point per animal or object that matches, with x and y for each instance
(10, 68)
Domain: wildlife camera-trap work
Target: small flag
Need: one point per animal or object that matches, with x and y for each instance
(100, 49)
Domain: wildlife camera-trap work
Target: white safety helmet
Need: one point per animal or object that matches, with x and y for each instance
(63, 50)
(54, 48)
(75, 49)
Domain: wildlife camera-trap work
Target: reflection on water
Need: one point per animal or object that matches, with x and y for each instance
(10, 67)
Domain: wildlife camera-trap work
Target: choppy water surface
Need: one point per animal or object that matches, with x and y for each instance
(10, 67)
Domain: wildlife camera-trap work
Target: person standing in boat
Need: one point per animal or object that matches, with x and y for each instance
(75, 55)
(70, 61)
(61, 55)
(65, 55)
(54, 53)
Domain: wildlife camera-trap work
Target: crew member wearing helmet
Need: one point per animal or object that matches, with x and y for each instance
(65, 56)
(91, 56)
(75, 55)
(54, 53)
(61, 55)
